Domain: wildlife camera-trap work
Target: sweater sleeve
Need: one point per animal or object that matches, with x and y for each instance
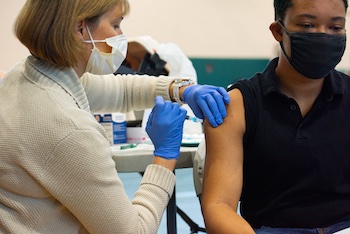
(83, 178)
(123, 93)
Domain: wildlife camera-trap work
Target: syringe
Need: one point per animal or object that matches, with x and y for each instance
(194, 119)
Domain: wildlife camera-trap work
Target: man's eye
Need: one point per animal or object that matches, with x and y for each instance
(337, 28)
(306, 26)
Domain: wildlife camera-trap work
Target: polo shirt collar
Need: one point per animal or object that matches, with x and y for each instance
(333, 85)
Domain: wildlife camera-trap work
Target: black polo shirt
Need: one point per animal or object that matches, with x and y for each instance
(296, 169)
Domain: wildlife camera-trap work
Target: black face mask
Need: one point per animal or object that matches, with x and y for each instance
(314, 55)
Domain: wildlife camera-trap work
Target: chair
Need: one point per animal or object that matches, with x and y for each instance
(198, 167)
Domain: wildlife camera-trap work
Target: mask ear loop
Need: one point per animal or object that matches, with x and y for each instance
(91, 40)
(281, 44)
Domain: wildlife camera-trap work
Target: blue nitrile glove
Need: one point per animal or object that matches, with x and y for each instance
(207, 101)
(165, 128)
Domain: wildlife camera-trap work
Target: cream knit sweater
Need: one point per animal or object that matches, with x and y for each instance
(56, 170)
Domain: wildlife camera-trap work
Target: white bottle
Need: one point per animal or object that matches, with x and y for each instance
(115, 126)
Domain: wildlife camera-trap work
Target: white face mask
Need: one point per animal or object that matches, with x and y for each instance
(101, 63)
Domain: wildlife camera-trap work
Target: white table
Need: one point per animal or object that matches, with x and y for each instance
(137, 159)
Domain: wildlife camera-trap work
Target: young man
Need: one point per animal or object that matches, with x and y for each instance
(284, 148)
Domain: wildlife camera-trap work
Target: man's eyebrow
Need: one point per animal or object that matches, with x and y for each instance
(337, 18)
(310, 16)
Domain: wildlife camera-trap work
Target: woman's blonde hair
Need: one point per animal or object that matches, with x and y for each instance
(48, 28)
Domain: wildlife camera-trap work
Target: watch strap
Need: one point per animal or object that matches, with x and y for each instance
(178, 83)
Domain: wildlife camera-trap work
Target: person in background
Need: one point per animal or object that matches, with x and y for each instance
(2, 74)
(147, 56)
(283, 150)
(56, 166)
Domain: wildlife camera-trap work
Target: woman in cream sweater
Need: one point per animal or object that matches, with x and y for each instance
(57, 172)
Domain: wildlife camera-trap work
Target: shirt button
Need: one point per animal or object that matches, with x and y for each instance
(293, 107)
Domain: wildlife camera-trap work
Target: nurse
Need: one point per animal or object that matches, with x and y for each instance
(57, 172)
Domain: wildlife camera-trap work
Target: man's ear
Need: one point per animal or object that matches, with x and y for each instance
(277, 31)
(80, 29)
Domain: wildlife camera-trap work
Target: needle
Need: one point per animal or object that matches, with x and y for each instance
(194, 119)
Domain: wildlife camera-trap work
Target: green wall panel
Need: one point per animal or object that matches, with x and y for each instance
(222, 72)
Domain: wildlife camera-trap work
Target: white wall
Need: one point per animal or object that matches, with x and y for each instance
(202, 28)
(214, 28)
(11, 50)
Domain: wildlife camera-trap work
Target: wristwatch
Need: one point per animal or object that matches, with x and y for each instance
(178, 83)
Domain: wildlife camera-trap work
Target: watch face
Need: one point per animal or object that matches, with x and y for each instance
(182, 82)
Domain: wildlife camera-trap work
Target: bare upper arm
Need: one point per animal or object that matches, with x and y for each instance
(222, 181)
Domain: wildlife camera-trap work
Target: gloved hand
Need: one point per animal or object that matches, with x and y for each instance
(165, 128)
(207, 101)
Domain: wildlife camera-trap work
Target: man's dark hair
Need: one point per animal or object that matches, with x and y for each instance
(281, 7)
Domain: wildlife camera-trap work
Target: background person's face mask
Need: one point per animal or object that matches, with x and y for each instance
(101, 63)
(314, 55)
